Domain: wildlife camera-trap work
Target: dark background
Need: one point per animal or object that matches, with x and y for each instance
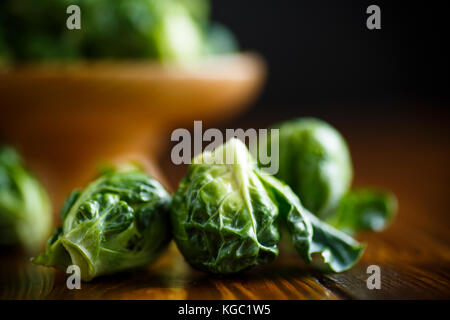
(323, 61)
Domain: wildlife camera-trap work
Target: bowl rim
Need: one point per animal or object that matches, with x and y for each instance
(227, 67)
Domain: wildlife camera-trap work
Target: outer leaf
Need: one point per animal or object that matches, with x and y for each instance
(119, 222)
(311, 236)
(292, 214)
(338, 251)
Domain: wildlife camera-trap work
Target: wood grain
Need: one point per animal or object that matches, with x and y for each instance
(410, 158)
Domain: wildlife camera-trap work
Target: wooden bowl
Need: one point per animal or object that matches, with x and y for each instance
(66, 119)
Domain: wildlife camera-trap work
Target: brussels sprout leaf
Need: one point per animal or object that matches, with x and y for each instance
(339, 251)
(292, 214)
(364, 210)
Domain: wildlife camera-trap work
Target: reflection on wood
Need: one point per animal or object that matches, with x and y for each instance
(20, 279)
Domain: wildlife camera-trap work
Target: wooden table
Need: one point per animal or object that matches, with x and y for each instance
(410, 157)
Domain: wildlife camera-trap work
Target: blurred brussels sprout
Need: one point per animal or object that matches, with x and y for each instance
(198, 9)
(177, 35)
(4, 51)
(42, 29)
(119, 222)
(168, 30)
(226, 217)
(25, 211)
(220, 40)
(364, 210)
(315, 162)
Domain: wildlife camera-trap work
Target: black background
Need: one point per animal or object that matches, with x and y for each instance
(324, 61)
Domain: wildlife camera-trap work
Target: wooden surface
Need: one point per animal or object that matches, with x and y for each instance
(407, 156)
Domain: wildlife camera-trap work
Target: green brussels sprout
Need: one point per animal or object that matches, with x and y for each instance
(315, 162)
(164, 30)
(226, 217)
(119, 222)
(25, 211)
(364, 210)
(224, 220)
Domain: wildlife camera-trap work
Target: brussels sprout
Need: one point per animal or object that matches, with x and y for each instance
(223, 218)
(364, 210)
(165, 30)
(315, 162)
(25, 211)
(226, 217)
(119, 222)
